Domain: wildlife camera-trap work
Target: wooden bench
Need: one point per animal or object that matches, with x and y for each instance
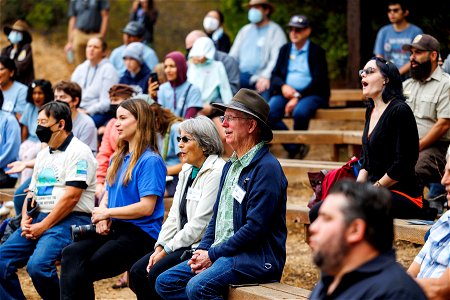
(339, 97)
(404, 231)
(7, 194)
(268, 291)
(341, 114)
(337, 138)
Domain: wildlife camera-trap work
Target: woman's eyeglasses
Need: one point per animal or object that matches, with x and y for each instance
(185, 139)
(367, 71)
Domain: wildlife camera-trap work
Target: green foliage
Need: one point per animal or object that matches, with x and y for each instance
(47, 13)
(41, 15)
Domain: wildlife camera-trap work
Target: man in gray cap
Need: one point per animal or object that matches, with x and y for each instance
(427, 93)
(245, 242)
(133, 32)
(299, 82)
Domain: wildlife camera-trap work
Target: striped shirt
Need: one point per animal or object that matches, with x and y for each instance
(434, 257)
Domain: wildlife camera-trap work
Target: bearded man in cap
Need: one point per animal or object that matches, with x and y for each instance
(427, 93)
(256, 47)
(245, 241)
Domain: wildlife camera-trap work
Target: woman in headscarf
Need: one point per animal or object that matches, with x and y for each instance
(178, 94)
(208, 74)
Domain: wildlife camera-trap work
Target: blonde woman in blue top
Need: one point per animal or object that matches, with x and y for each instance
(129, 217)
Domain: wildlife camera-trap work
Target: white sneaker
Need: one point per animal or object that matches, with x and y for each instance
(9, 204)
(4, 211)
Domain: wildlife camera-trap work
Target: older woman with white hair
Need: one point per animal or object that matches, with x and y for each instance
(192, 207)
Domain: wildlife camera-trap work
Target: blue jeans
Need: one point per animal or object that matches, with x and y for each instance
(213, 283)
(39, 256)
(20, 195)
(302, 113)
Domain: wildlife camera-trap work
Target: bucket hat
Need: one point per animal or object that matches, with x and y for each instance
(250, 102)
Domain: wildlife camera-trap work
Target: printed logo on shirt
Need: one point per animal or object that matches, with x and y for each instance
(82, 167)
(46, 179)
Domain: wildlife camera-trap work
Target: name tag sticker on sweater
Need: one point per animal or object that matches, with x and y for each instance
(193, 194)
(260, 42)
(238, 193)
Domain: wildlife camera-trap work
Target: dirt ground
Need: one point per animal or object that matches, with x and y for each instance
(299, 271)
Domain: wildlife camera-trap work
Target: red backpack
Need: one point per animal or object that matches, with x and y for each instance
(321, 182)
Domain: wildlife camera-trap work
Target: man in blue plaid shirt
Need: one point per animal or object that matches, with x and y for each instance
(431, 267)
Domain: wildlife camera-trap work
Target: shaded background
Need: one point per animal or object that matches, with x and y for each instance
(178, 17)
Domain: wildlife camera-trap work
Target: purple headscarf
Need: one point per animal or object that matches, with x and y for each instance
(180, 62)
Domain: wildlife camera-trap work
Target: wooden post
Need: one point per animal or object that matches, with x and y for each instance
(354, 42)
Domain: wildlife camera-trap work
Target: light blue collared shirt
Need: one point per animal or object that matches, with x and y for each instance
(299, 75)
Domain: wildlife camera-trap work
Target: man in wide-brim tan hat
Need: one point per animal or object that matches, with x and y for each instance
(245, 241)
(20, 50)
(256, 47)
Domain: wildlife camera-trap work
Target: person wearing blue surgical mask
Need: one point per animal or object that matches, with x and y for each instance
(256, 47)
(20, 51)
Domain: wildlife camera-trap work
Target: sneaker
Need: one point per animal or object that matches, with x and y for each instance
(4, 211)
(9, 204)
(299, 153)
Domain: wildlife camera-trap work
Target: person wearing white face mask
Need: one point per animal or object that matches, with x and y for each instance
(213, 25)
(20, 50)
(256, 47)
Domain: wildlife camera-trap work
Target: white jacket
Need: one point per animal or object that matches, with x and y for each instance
(199, 212)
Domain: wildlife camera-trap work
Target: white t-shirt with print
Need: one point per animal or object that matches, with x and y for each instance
(53, 170)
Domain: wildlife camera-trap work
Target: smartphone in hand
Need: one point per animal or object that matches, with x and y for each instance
(154, 78)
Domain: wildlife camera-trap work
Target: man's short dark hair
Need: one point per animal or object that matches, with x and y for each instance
(9, 64)
(59, 110)
(402, 4)
(373, 206)
(70, 88)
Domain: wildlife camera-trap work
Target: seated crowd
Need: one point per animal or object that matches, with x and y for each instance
(94, 157)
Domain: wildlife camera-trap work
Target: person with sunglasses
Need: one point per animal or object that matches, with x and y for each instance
(245, 241)
(299, 82)
(390, 38)
(390, 143)
(192, 206)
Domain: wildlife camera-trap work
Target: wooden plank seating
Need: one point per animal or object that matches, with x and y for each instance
(267, 291)
(296, 170)
(343, 114)
(404, 231)
(337, 138)
(317, 137)
(343, 96)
